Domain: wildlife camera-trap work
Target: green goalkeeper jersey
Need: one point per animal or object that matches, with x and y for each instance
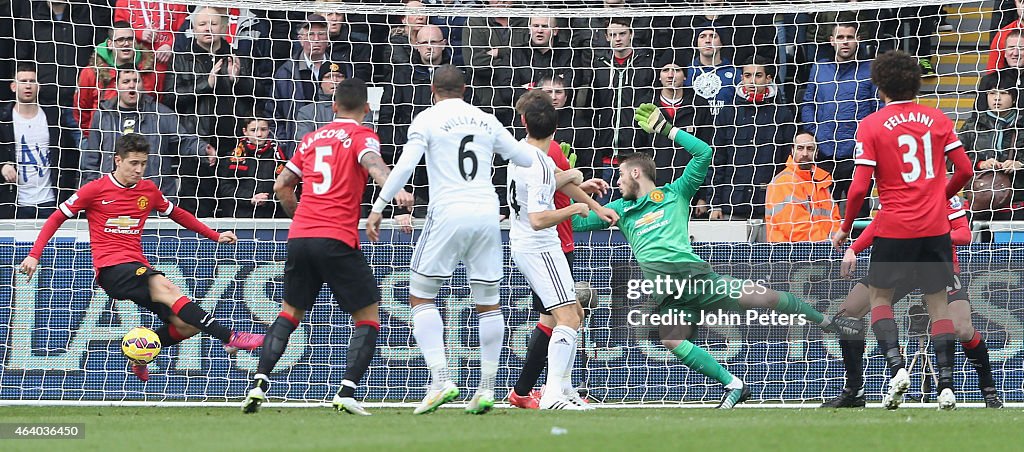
(657, 225)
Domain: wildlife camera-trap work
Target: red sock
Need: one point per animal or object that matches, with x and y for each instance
(881, 313)
(176, 308)
(288, 317)
(944, 326)
(375, 324)
(545, 329)
(974, 342)
(175, 334)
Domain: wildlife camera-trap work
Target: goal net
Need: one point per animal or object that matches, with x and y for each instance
(224, 89)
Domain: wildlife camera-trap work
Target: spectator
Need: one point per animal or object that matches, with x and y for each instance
(169, 140)
(409, 94)
(799, 206)
(684, 110)
(1000, 43)
(749, 34)
(575, 126)
(249, 37)
(621, 76)
(452, 26)
(211, 86)
(58, 45)
(402, 36)
(347, 45)
(97, 81)
(589, 38)
(542, 55)
(295, 81)
(154, 24)
(867, 23)
(321, 111)
(752, 140)
(712, 75)
(246, 188)
(992, 135)
(488, 48)
(839, 95)
(38, 158)
(212, 89)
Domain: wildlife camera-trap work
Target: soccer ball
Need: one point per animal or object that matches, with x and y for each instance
(140, 345)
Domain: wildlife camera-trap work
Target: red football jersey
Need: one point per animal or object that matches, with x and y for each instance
(328, 162)
(116, 214)
(907, 144)
(561, 199)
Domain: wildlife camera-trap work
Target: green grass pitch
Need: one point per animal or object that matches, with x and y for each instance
(281, 429)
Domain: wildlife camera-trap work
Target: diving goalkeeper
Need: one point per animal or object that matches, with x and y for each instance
(655, 222)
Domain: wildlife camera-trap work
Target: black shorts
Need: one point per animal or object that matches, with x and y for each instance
(925, 263)
(314, 261)
(537, 304)
(130, 281)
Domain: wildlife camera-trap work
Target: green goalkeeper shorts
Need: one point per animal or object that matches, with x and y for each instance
(693, 288)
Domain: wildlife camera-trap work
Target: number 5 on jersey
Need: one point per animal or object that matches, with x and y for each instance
(323, 168)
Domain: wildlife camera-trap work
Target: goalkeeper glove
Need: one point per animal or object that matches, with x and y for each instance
(650, 119)
(570, 155)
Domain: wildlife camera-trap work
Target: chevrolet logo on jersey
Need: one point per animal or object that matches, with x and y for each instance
(649, 218)
(122, 225)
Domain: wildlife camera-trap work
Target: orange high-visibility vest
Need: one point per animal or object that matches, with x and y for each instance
(799, 206)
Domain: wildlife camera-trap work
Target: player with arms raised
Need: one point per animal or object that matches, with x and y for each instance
(459, 141)
(905, 146)
(117, 207)
(857, 305)
(655, 222)
(323, 241)
(537, 249)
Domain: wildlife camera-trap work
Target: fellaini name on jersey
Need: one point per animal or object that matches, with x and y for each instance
(912, 116)
(122, 225)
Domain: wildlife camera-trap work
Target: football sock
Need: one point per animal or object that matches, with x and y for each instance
(944, 342)
(853, 359)
(428, 329)
(491, 331)
(275, 342)
(884, 327)
(169, 335)
(361, 348)
(196, 316)
(790, 304)
(536, 359)
(977, 355)
(561, 349)
(567, 378)
(699, 360)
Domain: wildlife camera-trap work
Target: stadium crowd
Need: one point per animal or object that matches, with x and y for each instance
(224, 95)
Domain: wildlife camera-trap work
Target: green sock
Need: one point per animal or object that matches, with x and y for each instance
(790, 304)
(699, 360)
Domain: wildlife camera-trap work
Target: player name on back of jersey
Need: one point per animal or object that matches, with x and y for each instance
(461, 121)
(911, 116)
(330, 132)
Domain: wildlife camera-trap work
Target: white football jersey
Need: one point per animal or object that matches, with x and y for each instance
(532, 190)
(459, 141)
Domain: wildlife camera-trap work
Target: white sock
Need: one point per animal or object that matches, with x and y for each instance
(428, 329)
(492, 333)
(561, 350)
(736, 383)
